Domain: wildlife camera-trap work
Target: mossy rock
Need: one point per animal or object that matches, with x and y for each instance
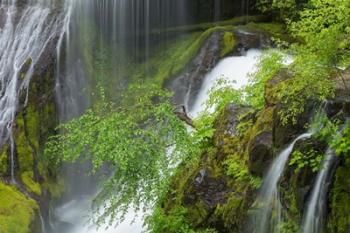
(3, 162)
(275, 30)
(32, 186)
(260, 153)
(232, 214)
(339, 216)
(228, 43)
(17, 212)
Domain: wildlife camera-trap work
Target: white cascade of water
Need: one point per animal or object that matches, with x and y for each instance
(23, 38)
(268, 200)
(235, 70)
(313, 220)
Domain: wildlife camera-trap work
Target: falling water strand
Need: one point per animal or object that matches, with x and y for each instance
(269, 209)
(315, 211)
(22, 41)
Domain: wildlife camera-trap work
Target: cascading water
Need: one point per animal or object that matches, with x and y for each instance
(313, 221)
(23, 38)
(314, 216)
(269, 210)
(235, 70)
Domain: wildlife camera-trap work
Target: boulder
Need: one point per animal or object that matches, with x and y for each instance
(227, 122)
(260, 153)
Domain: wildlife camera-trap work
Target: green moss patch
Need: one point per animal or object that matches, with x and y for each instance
(3, 162)
(17, 212)
(339, 220)
(31, 185)
(173, 59)
(228, 43)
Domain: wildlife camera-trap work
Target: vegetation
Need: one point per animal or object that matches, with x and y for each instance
(17, 212)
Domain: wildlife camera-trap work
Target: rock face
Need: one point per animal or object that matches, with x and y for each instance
(35, 121)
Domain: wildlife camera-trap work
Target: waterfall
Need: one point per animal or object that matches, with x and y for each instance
(313, 221)
(315, 211)
(235, 70)
(23, 38)
(269, 209)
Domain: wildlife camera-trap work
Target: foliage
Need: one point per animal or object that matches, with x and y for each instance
(310, 159)
(239, 171)
(221, 94)
(341, 143)
(285, 9)
(339, 218)
(140, 137)
(174, 221)
(270, 63)
(323, 27)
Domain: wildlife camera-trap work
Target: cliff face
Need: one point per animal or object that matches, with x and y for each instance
(35, 178)
(219, 191)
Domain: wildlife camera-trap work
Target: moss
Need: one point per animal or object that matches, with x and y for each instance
(264, 122)
(162, 66)
(16, 211)
(26, 138)
(228, 43)
(204, 26)
(55, 187)
(274, 29)
(31, 185)
(232, 213)
(197, 213)
(339, 219)
(3, 162)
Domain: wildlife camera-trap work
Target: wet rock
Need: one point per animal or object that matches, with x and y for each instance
(260, 153)
(299, 182)
(208, 189)
(285, 132)
(188, 84)
(2, 18)
(272, 84)
(227, 122)
(247, 39)
(339, 106)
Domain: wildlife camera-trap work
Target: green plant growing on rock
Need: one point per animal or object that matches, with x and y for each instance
(174, 221)
(16, 211)
(310, 159)
(284, 9)
(341, 143)
(228, 43)
(270, 63)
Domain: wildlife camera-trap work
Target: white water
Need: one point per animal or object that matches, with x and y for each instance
(268, 201)
(313, 221)
(235, 70)
(77, 213)
(23, 39)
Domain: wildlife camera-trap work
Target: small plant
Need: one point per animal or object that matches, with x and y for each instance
(309, 159)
